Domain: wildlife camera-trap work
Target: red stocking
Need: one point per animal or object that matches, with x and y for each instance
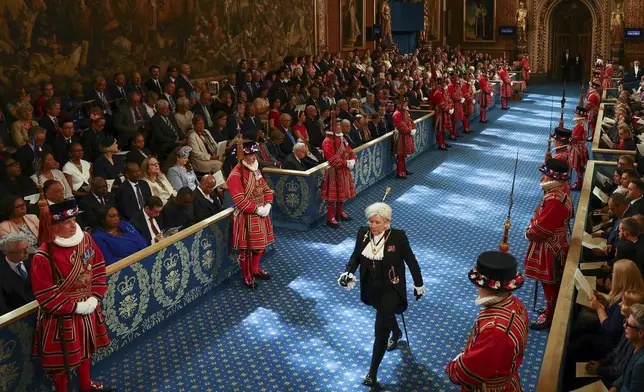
(83, 375)
(60, 381)
(257, 256)
(454, 131)
(400, 165)
(483, 117)
(330, 212)
(340, 209)
(244, 263)
(504, 102)
(466, 123)
(440, 138)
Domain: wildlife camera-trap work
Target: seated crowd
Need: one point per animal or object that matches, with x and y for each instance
(143, 158)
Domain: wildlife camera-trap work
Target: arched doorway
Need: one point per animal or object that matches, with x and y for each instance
(571, 29)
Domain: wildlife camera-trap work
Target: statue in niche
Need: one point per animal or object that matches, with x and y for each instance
(617, 24)
(385, 16)
(522, 22)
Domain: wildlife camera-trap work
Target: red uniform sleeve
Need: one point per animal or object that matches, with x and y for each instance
(578, 131)
(236, 189)
(99, 276)
(329, 153)
(552, 217)
(268, 193)
(490, 353)
(47, 292)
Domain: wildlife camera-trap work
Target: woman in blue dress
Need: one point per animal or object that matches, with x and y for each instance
(117, 239)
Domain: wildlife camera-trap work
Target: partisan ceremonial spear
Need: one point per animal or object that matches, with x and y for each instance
(548, 151)
(504, 246)
(563, 105)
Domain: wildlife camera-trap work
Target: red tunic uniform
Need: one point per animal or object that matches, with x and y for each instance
(593, 107)
(454, 92)
(404, 141)
(249, 191)
(525, 71)
(468, 94)
(338, 184)
(548, 236)
(506, 87)
(485, 97)
(79, 274)
(442, 103)
(494, 350)
(562, 153)
(607, 78)
(578, 149)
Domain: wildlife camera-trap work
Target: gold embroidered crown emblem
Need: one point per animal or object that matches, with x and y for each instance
(126, 285)
(292, 187)
(170, 262)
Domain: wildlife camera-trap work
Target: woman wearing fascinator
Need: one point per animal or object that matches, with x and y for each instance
(381, 253)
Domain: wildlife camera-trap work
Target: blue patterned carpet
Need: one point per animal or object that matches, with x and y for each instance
(302, 332)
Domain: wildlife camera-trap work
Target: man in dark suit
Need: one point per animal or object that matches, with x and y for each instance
(165, 133)
(130, 119)
(183, 80)
(50, 121)
(206, 202)
(136, 84)
(274, 145)
(222, 103)
(154, 84)
(97, 199)
(132, 193)
(295, 160)
(376, 126)
(204, 109)
(578, 66)
(138, 152)
(231, 88)
(168, 96)
(566, 63)
(100, 96)
(634, 75)
(289, 137)
(252, 123)
(63, 142)
(179, 211)
(148, 221)
(313, 128)
(346, 131)
(30, 154)
(356, 132)
(248, 86)
(92, 139)
(15, 276)
(117, 90)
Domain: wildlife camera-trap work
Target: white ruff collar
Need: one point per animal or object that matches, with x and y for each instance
(550, 185)
(71, 241)
(252, 167)
(484, 302)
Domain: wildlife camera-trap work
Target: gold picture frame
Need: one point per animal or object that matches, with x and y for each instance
(477, 24)
(353, 24)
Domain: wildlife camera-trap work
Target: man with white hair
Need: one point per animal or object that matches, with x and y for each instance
(338, 185)
(295, 160)
(15, 280)
(165, 133)
(381, 253)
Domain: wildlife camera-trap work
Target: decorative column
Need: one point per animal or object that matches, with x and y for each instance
(321, 25)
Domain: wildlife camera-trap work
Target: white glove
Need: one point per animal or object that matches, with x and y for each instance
(268, 208)
(351, 163)
(93, 303)
(473, 101)
(491, 94)
(462, 100)
(262, 211)
(413, 132)
(419, 291)
(347, 280)
(451, 111)
(83, 308)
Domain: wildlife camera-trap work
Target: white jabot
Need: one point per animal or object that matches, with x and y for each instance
(368, 250)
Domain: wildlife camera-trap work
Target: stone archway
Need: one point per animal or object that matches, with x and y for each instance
(541, 36)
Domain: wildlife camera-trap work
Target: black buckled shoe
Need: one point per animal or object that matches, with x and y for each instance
(250, 283)
(263, 275)
(541, 324)
(345, 217)
(368, 381)
(398, 176)
(333, 223)
(97, 386)
(393, 341)
(409, 173)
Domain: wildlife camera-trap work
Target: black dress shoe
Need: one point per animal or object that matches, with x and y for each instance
(398, 176)
(97, 386)
(408, 172)
(368, 381)
(540, 325)
(333, 223)
(345, 217)
(448, 145)
(393, 341)
(263, 275)
(442, 148)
